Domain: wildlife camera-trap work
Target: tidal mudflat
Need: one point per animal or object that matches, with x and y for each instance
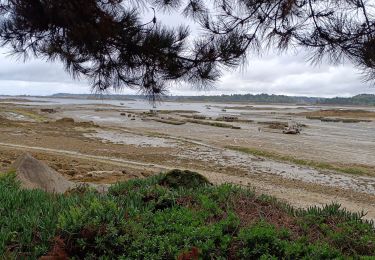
(110, 141)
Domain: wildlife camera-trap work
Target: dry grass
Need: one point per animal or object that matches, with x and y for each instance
(169, 121)
(348, 113)
(215, 124)
(250, 108)
(177, 111)
(275, 124)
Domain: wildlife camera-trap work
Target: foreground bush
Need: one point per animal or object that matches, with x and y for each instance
(183, 179)
(156, 219)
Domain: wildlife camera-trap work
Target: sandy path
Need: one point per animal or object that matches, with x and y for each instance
(103, 159)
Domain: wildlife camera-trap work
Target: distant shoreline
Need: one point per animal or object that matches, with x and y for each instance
(366, 100)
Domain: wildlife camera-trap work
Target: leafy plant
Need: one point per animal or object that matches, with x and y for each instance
(143, 219)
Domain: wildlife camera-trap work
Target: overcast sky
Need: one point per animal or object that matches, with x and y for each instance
(288, 74)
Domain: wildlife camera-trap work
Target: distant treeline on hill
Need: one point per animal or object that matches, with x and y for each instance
(260, 98)
(362, 99)
(95, 96)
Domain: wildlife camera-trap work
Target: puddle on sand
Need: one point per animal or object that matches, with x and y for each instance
(132, 139)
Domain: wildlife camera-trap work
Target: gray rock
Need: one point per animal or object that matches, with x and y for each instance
(34, 174)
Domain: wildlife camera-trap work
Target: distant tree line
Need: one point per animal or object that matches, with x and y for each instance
(363, 99)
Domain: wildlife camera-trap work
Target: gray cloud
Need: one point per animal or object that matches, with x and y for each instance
(31, 71)
(274, 74)
(286, 74)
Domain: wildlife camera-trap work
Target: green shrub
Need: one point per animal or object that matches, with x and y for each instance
(27, 219)
(183, 179)
(172, 216)
(264, 241)
(260, 240)
(94, 228)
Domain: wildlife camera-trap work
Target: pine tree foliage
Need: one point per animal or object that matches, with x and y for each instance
(107, 41)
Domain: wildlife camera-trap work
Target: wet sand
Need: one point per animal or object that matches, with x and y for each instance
(116, 147)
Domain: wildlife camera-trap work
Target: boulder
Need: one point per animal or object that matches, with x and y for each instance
(34, 174)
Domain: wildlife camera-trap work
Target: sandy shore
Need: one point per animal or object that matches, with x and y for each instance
(123, 143)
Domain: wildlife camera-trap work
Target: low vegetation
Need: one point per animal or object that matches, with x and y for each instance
(346, 113)
(228, 118)
(169, 121)
(350, 169)
(336, 119)
(200, 117)
(352, 120)
(209, 123)
(252, 108)
(176, 111)
(178, 215)
(219, 119)
(274, 124)
(67, 121)
(240, 107)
